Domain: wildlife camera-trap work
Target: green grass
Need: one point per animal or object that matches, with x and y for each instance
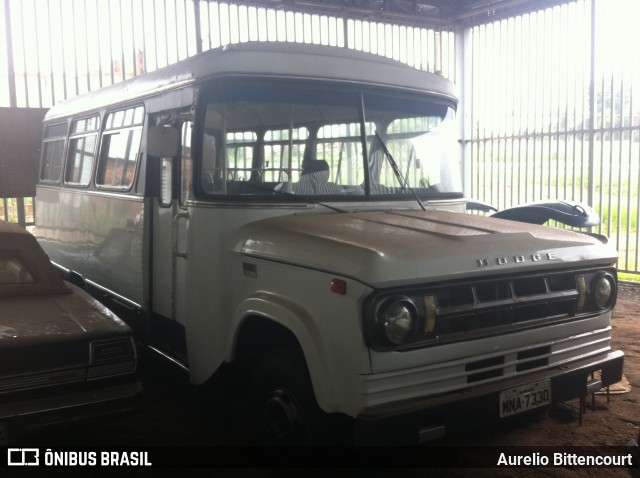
(625, 276)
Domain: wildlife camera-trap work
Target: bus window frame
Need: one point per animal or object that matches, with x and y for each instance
(53, 139)
(96, 149)
(138, 155)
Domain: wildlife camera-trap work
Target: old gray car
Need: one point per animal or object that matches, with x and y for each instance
(63, 356)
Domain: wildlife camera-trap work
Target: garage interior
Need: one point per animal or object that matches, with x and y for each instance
(547, 106)
(549, 91)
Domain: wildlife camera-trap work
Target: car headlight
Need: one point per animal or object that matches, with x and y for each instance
(603, 290)
(398, 317)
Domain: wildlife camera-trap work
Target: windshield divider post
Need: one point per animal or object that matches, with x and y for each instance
(365, 152)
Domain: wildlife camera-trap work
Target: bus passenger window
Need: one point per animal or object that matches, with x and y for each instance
(120, 147)
(52, 152)
(82, 146)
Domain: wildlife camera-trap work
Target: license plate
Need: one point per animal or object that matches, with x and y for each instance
(525, 397)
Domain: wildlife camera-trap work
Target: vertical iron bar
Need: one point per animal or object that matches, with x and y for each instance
(185, 9)
(86, 42)
(512, 125)
(208, 7)
(98, 36)
(620, 143)
(76, 72)
(37, 43)
(611, 136)
(534, 113)
(166, 34)
(553, 137)
(177, 30)
(630, 171)
(144, 37)
(565, 128)
(155, 34)
(133, 40)
(64, 62)
(11, 70)
(486, 122)
(24, 57)
(111, 65)
(543, 99)
(637, 268)
(123, 66)
(572, 136)
(345, 33)
(51, 76)
(592, 111)
(20, 210)
(219, 24)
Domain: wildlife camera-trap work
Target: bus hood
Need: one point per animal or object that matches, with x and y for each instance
(391, 248)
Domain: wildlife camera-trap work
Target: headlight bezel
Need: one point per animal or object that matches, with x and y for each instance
(611, 282)
(395, 313)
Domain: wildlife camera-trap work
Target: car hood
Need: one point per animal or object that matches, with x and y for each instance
(52, 333)
(392, 248)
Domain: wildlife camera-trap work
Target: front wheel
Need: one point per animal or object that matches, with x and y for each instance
(284, 403)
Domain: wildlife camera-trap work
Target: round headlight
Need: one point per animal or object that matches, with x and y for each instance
(603, 290)
(399, 318)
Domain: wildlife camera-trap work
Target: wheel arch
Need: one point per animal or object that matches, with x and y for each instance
(266, 322)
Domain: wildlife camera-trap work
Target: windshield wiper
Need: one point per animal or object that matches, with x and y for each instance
(396, 170)
(301, 197)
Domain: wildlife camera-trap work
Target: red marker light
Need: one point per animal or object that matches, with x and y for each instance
(338, 286)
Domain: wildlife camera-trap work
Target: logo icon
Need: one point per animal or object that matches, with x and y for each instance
(23, 456)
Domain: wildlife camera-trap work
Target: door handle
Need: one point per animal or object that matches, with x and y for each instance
(176, 222)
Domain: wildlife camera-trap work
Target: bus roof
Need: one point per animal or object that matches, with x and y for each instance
(268, 59)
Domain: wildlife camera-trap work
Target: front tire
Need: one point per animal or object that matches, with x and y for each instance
(284, 403)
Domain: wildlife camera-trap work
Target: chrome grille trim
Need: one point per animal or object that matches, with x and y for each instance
(504, 303)
(40, 380)
(111, 370)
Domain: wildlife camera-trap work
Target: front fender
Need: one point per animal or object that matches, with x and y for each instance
(298, 320)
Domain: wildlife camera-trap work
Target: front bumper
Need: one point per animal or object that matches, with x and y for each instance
(26, 414)
(423, 420)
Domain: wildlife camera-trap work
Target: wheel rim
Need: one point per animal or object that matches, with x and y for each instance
(282, 415)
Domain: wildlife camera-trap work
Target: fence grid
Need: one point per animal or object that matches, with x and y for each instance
(554, 115)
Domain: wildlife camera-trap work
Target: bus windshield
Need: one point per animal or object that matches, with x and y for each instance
(290, 138)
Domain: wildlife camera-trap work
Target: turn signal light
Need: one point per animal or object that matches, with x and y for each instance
(338, 286)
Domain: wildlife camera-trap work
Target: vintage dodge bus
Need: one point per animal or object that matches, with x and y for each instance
(295, 213)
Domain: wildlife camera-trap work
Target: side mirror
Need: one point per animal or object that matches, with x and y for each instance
(162, 141)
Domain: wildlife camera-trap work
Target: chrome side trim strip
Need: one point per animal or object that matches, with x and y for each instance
(168, 357)
(126, 302)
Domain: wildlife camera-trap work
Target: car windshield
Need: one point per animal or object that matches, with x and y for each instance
(264, 139)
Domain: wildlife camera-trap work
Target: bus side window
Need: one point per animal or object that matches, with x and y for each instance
(53, 152)
(82, 146)
(120, 148)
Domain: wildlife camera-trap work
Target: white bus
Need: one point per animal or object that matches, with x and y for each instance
(296, 212)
